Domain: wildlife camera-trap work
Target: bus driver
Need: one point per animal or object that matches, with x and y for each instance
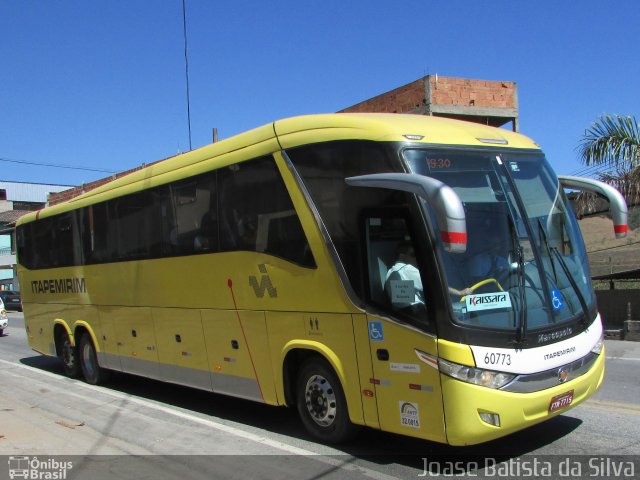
(405, 270)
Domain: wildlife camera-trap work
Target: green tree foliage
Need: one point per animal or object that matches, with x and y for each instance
(614, 141)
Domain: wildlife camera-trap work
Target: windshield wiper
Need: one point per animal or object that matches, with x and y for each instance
(521, 332)
(565, 268)
(574, 285)
(545, 241)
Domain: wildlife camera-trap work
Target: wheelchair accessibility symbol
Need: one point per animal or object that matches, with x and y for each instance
(376, 333)
(557, 302)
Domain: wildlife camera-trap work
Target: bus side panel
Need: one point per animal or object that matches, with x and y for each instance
(108, 354)
(407, 389)
(238, 367)
(369, 403)
(136, 340)
(181, 347)
(83, 317)
(329, 335)
(39, 322)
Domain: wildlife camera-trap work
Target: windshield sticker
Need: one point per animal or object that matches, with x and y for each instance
(409, 414)
(488, 301)
(557, 301)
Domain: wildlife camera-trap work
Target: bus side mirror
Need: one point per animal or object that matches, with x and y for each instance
(617, 203)
(441, 198)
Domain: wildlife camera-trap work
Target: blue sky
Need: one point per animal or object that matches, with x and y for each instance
(100, 84)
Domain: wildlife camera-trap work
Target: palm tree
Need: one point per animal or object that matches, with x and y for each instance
(614, 141)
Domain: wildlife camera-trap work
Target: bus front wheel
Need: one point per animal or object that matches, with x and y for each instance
(93, 373)
(321, 403)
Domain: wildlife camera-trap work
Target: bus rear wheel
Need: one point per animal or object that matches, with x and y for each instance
(69, 356)
(93, 373)
(321, 403)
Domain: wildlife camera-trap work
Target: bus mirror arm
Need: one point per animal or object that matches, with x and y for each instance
(617, 202)
(440, 197)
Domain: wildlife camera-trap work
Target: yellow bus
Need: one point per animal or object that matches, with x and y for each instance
(417, 275)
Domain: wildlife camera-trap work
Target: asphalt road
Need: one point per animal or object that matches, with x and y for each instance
(139, 428)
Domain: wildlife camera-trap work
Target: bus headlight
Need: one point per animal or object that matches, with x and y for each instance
(477, 376)
(597, 348)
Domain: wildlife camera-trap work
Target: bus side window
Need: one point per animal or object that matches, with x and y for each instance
(257, 214)
(394, 280)
(194, 228)
(93, 223)
(63, 240)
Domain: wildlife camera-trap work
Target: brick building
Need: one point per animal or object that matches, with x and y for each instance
(493, 103)
(58, 197)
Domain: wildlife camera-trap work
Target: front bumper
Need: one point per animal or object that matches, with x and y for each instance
(463, 403)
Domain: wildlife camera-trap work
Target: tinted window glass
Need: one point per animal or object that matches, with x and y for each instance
(48, 242)
(195, 210)
(134, 230)
(177, 219)
(256, 213)
(394, 281)
(324, 168)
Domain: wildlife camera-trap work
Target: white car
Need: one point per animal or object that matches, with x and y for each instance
(4, 320)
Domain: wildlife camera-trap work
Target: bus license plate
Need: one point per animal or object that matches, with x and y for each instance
(561, 401)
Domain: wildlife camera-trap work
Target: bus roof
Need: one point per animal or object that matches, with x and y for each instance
(296, 131)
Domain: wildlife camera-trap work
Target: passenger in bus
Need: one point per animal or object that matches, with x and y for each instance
(207, 237)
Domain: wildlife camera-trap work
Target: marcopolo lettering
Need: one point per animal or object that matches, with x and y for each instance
(558, 334)
(59, 285)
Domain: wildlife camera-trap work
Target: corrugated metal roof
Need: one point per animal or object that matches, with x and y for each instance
(30, 192)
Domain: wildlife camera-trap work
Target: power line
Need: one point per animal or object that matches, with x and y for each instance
(56, 165)
(186, 66)
(591, 170)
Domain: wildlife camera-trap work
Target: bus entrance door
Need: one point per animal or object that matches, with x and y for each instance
(407, 389)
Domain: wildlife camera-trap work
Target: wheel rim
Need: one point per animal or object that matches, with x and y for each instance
(321, 400)
(68, 356)
(87, 360)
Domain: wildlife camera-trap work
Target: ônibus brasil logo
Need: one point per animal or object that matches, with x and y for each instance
(38, 469)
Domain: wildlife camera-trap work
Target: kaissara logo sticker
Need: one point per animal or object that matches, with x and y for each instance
(409, 414)
(488, 301)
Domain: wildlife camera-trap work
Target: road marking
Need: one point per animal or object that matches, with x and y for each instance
(619, 407)
(624, 358)
(288, 449)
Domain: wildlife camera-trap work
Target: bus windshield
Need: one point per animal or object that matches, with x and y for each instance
(525, 264)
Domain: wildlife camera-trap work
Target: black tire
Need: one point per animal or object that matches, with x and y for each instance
(1, 332)
(321, 403)
(69, 356)
(92, 372)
